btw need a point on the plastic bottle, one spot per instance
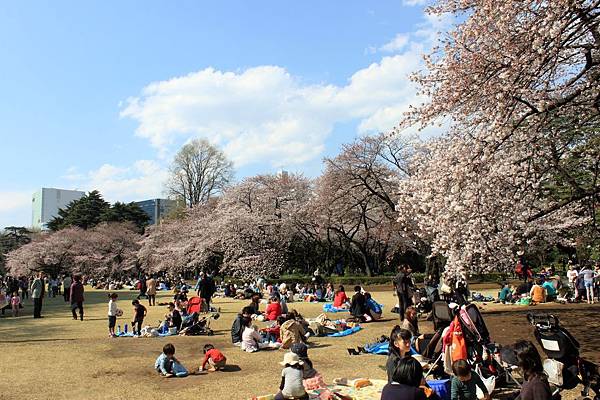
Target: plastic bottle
(125, 328)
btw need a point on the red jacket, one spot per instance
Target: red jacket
(76, 294)
(273, 311)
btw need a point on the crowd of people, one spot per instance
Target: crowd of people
(285, 328)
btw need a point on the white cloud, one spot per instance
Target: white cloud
(266, 114)
(415, 2)
(142, 180)
(10, 201)
(396, 44)
(15, 208)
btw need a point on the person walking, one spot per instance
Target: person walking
(151, 291)
(206, 288)
(143, 288)
(401, 285)
(37, 294)
(76, 297)
(67, 281)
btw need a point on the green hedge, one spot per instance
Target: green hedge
(385, 279)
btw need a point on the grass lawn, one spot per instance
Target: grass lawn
(57, 357)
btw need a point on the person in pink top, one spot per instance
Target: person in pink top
(15, 302)
(273, 309)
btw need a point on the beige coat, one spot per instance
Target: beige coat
(291, 332)
(151, 286)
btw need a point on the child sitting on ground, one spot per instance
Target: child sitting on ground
(167, 365)
(214, 358)
(465, 382)
(311, 379)
(272, 334)
(291, 379)
(251, 339)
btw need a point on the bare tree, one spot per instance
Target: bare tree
(199, 171)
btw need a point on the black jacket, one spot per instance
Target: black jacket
(358, 307)
(237, 328)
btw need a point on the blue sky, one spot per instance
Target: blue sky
(101, 94)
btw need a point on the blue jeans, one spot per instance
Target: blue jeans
(179, 370)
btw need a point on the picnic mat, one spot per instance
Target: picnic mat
(371, 392)
(329, 308)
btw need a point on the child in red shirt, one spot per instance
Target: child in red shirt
(273, 309)
(214, 358)
(273, 333)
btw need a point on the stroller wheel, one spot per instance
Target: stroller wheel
(210, 332)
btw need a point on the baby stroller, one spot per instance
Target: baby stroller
(481, 350)
(564, 366)
(193, 325)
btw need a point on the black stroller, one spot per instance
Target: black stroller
(564, 366)
(193, 325)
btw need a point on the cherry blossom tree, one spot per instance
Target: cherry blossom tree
(518, 81)
(108, 249)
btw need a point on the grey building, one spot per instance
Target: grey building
(156, 208)
(46, 202)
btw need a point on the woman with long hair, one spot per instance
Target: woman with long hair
(535, 384)
(399, 348)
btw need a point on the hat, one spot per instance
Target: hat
(300, 349)
(291, 359)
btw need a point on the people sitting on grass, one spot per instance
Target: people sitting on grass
(237, 328)
(255, 304)
(506, 294)
(537, 292)
(373, 308)
(358, 305)
(329, 292)
(311, 379)
(167, 365)
(465, 382)
(551, 289)
(404, 381)
(273, 309)
(291, 386)
(399, 348)
(273, 333)
(341, 300)
(251, 339)
(411, 321)
(173, 318)
(214, 358)
(535, 383)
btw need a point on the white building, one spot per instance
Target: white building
(46, 202)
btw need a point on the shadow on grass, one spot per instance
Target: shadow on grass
(37, 340)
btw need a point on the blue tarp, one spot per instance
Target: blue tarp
(328, 307)
(347, 332)
(383, 348)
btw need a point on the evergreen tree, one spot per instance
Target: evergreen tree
(83, 213)
(122, 212)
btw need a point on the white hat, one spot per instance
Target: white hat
(291, 359)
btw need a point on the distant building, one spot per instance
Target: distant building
(46, 202)
(156, 208)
